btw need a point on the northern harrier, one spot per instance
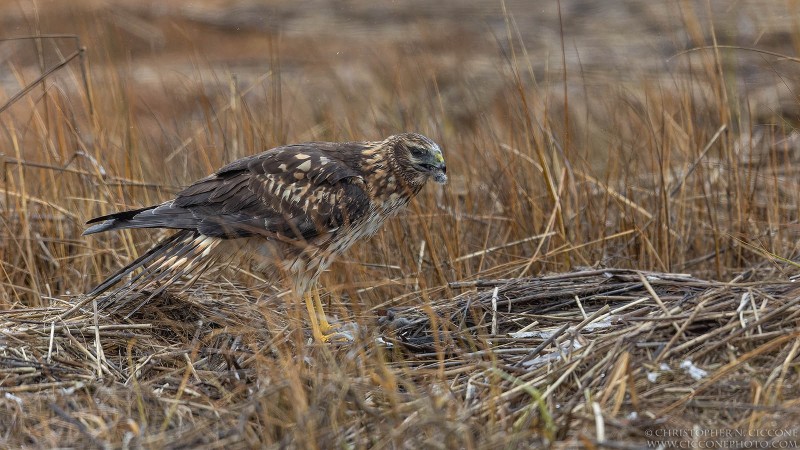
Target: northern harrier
(296, 207)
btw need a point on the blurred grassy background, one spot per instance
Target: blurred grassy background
(647, 135)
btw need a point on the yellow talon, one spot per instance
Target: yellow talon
(324, 326)
(320, 328)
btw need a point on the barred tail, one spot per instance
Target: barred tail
(185, 252)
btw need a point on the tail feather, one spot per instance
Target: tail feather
(179, 259)
(157, 216)
(158, 251)
(195, 267)
(113, 221)
(169, 260)
(123, 215)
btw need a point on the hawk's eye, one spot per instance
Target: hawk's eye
(417, 151)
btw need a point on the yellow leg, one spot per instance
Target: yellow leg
(323, 320)
(320, 328)
(312, 315)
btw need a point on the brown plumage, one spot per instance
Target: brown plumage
(295, 207)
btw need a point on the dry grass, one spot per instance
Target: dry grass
(488, 315)
(525, 368)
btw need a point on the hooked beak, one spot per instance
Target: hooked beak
(435, 168)
(440, 173)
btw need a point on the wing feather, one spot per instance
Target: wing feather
(298, 191)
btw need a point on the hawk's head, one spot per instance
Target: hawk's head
(419, 157)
